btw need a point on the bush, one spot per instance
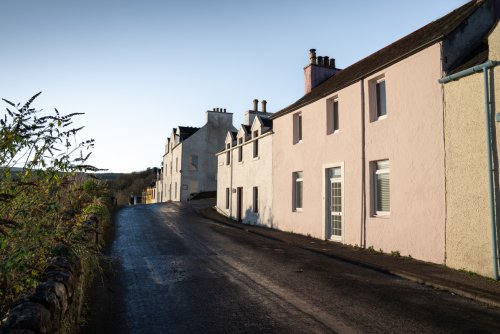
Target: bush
(44, 195)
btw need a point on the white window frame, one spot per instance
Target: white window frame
(376, 172)
(297, 128)
(332, 126)
(377, 98)
(240, 149)
(255, 144)
(298, 178)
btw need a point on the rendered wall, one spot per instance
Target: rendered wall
(250, 172)
(411, 137)
(311, 156)
(468, 230)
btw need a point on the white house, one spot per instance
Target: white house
(244, 174)
(189, 163)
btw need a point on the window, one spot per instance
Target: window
(175, 190)
(176, 164)
(255, 144)
(298, 188)
(332, 116)
(380, 98)
(297, 128)
(193, 162)
(382, 187)
(228, 193)
(228, 157)
(240, 149)
(255, 199)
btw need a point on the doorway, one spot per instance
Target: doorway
(334, 201)
(239, 203)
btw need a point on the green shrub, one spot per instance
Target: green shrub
(43, 192)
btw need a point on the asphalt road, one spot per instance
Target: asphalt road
(172, 271)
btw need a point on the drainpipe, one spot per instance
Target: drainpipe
(476, 69)
(363, 168)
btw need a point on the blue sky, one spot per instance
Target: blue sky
(139, 68)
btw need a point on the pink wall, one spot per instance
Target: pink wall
(317, 149)
(411, 137)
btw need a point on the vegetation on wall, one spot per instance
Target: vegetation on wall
(45, 197)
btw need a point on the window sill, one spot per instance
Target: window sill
(256, 158)
(297, 210)
(384, 215)
(380, 118)
(240, 162)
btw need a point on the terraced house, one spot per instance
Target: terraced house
(362, 157)
(244, 174)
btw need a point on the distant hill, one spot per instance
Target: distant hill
(122, 185)
(107, 176)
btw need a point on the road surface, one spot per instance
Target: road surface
(172, 271)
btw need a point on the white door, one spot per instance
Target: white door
(334, 204)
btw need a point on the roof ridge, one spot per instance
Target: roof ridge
(397, 50)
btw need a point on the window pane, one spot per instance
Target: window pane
(382, 164)
(381, 106)
(383, 195)
(298, 191)
(335, 115)
(299, 119)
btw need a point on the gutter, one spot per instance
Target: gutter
(476, 69)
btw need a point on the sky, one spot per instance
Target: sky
(138, 68)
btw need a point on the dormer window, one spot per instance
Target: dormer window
(240, 149)
(255, 144)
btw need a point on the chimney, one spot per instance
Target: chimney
(264, 102)
(317, 73)
(312, 56)
(255, 105)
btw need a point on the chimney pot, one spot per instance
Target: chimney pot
(264, 102)
(320, 61)
(255, 105)
(332, 63)
(312, 56)
(326, 61)
(224, 109)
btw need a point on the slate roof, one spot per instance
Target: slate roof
(268, 123)
(403, 48)
(247, 128)
(186, 131)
